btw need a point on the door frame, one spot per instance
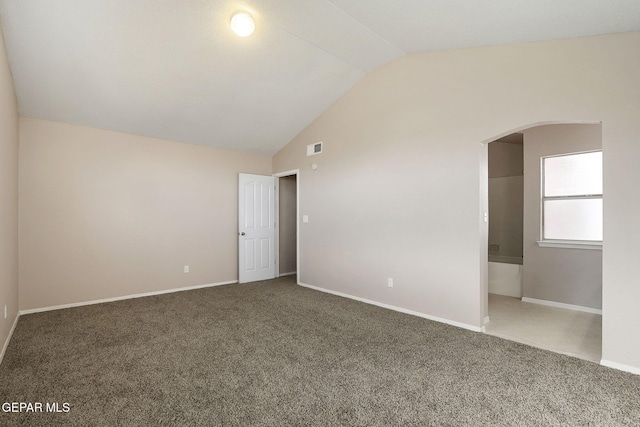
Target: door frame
(279, 175)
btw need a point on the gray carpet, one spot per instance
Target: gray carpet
(276, 354)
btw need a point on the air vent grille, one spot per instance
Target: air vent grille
(313, 149)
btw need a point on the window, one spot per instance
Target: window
(572, 200)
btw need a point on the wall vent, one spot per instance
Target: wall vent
(313, 149)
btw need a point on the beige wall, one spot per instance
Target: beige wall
(506, 199)
(570, 276)
(106, 214)
(397, 192)
(505, 158)
(287, 230)
(8, 198)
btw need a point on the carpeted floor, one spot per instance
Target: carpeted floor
(276, 354)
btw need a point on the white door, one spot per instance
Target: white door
(256, 228)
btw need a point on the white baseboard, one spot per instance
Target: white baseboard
(291, 273)
(6, 342)
(394, 308)
(620, 367)
(562, 305)
(146, 294)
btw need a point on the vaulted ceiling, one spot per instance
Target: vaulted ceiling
(173, 69)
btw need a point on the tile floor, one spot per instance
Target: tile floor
(570, 332)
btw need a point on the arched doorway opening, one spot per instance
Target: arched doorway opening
(552, 298)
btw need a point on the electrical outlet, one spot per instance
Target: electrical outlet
(390, 282)
(186, 268)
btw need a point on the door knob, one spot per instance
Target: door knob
(243, 233)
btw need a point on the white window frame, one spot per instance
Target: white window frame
(557, 243)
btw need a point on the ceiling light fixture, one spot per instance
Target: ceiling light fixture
(242, 24)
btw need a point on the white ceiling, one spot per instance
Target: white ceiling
(172, 69)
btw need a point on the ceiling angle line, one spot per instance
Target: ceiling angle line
(322, 49)
(366, 27)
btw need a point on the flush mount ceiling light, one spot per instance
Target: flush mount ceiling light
(242, 24)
